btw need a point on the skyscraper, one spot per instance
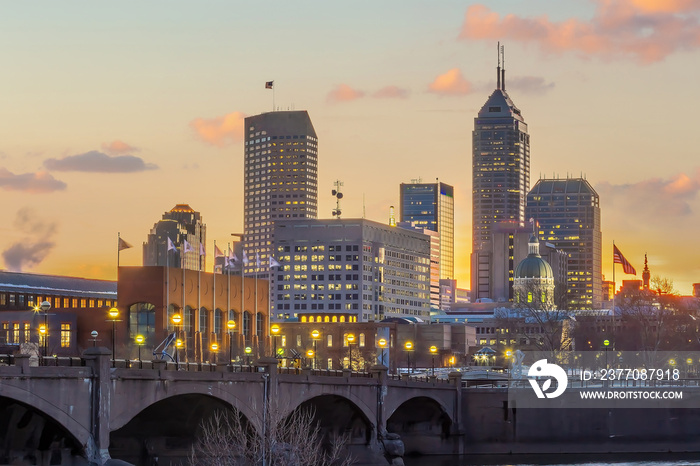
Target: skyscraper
(432, 206)
(568, 213)
(500, 175)
(180, 224)
(281, 169)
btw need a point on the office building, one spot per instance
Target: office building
(333, 267)
(431, 206)
(281, 170)
(500, 176)
(567, 212)
(180, 224)
(434, 261)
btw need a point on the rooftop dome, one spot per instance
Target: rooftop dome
(533, 266)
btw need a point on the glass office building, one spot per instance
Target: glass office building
(568, 214)
(180, 224)
(431, 206)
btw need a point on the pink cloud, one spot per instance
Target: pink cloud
(118, 147)
(450, 83)
(653, 197)
(220, 131)
(391, 92)
(644, 30)
(40, 182)
(344, 93)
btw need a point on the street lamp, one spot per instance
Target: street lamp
(382, 344)
(46, 306)
(231, 324)
(42, 333)
(178, 345)
(433, 352)
(248, 350)
(315, 335)
(113, 314)
(176, 319)
(94, 334)
(310, 354)
(274, 330)
(409, 347)
(215, 349)
(139, 341)
(351, 340)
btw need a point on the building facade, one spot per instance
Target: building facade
(435, 280)
(431, 206)
(281, 172)
(500, 177)
(567, 212)
(350, 265)
(180, 224)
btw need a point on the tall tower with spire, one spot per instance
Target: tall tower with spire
(500, 176)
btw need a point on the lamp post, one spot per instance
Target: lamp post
(274, 330)
(248, 350)
(42, 333)
(46, 306)
(176, 319)
(231, 324)
(215, 349)
(178, 345)
(113, 314)
(139, 341)
(382, 344)
(310, 354)
(94, 334)
(351, 340)
(409, 347)
(433, 352)
(315, 335)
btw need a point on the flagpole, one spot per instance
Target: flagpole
(228, 288)
(119, 235)
(213, 315)
(167, 279)
(613, 299)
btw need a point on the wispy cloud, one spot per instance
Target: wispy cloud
(37, 242)
(40, 182)
(450, 83)
(643, 30)
(391, 92)
(97, 162)
(530, 84)
(344, 93)
(220, 131)
(653, 198)
(117, 147)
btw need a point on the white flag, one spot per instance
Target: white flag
(245, 258)
(257, 260)
(171, 246)
(231, 255)
(273, 262)
(217, 251)
(227, 263)
(187, 247)
(202, 252)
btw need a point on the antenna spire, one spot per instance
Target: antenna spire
(503, 71)
(498, 69)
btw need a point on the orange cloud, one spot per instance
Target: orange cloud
(450, 83)
(391, 92)
(344, 93)
(220, 131)
(118, 147)
(644, 30)
(40, 182)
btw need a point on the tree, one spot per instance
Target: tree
(226, 439)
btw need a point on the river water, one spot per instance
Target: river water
(660, 459)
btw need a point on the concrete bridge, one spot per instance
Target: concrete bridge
(93, 412)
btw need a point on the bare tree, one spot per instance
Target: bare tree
(226, 439)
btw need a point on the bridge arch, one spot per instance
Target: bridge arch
(422, 422)
(16, 401)
(339, 415)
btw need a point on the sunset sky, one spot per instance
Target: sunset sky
(113, 112)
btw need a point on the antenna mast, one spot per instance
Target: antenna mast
(338, 196)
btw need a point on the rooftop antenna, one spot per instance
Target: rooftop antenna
(416, 180)
(503, 71)
(364, 210)
(498, 69)
(338, 196)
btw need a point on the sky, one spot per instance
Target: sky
(113, 112)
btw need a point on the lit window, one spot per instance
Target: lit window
(65, 335)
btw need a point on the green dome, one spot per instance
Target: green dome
(533, 266)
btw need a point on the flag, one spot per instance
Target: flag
(232, 256)
(218, 252)
(187, 247)
(268, 84)
(618, 258)
(227, 263)
(171, 246)
(257, 260)
(124, 245)
(245, 258)
(273, 262)
(202, 252)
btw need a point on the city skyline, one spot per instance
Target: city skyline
(113, 115)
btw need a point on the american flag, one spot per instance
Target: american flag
(268, 84)
(618, 258)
